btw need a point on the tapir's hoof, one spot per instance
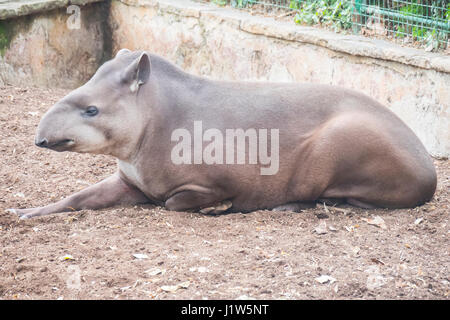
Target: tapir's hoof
(218, 209)
(13, 211)
(22, 213)
(295, 206)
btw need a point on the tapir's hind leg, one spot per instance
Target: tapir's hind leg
(295, 206)
(218, 208)
(361, 204)
(107, 193)
(195, 197)
(356, 159)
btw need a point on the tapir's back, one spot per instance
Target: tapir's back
(294, 107)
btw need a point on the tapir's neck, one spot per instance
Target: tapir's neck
(168, 90)
(171, 89)
(173, 81)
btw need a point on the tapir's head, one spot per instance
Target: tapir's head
(103, 115)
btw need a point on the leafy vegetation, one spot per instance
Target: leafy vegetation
(333, 13)
(435, 11)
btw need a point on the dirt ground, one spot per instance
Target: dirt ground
(146, 252)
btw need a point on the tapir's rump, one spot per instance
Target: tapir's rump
(330, 142)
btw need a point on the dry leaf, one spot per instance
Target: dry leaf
(377, 261)
(170, 288)
(19, 195)
(376, 221)
(324, 279)
(344, 211)
(182, 285)
(140, 256)
(321, 228)
(356, 250)
(155, 271)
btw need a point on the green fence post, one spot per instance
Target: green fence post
(356, 16)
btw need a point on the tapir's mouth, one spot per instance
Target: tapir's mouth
(61, 145)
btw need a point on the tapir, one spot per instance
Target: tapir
(334, 143)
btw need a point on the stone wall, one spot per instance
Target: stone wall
(226, 43)
(38, 47)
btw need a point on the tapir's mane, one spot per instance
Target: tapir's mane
(159, 66)
(165, 67)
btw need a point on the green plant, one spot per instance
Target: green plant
(413, 9)
(433, 39)
(400, 32)
(219, 2)
(333, 13)
(294, 4)
(239, 3)
(418, 32)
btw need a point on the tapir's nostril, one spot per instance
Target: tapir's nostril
(42, 143)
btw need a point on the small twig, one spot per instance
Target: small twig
(285, 14)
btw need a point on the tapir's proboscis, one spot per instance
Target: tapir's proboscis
(335, 144)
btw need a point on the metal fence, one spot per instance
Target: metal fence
(417, 22)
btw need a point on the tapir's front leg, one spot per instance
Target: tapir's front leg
(107, 193)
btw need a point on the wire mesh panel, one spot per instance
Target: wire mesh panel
(423, 22)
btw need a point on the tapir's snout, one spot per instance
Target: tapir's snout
(45, 139)
(52, 133)
(59, 145)
(42, 143)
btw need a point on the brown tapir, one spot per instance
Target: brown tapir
(329, 142)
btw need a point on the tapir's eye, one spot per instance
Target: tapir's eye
(90, 111)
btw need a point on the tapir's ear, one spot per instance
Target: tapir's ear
(137, 73)
(122, 52)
